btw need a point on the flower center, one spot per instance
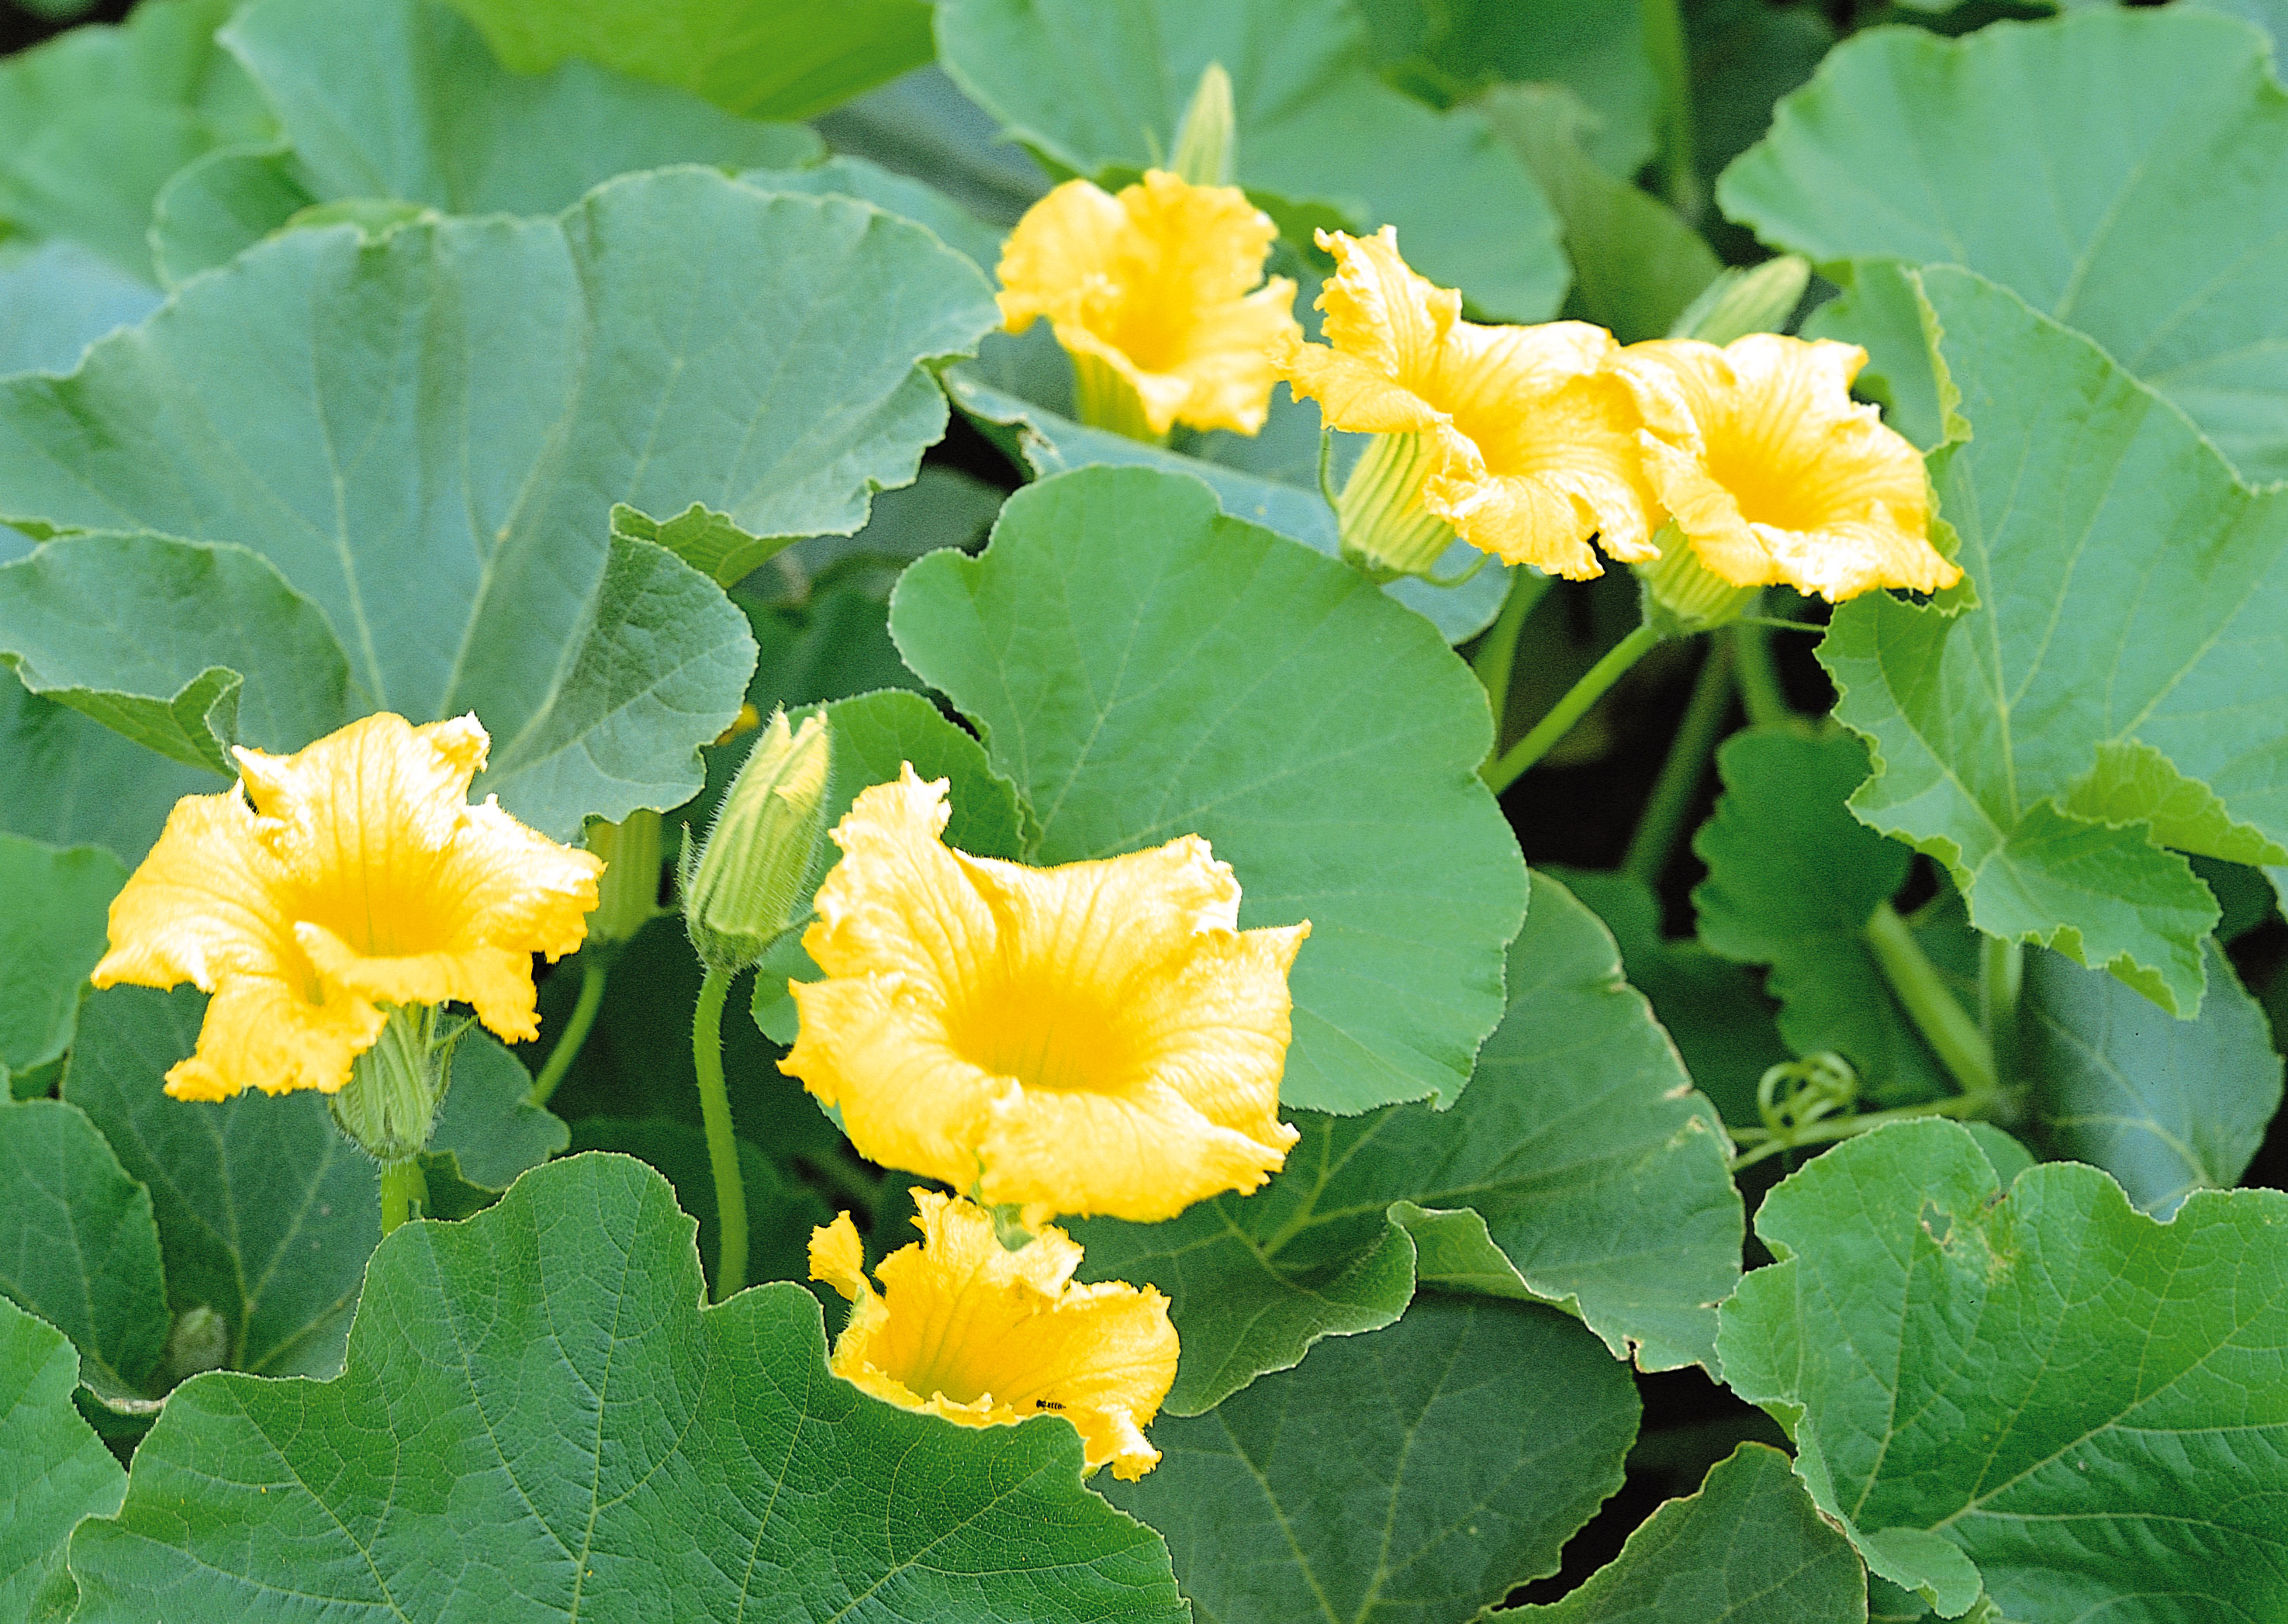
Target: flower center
(1048, 1034)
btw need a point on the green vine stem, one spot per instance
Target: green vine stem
(1828, 1129)
(1937, 1014)
(1687, 764)
(2001, 976)
(1495, 657)
(722, 1149)
(404, 1193)
(1666, 50)
(1761, 693)
(593, 971)
(1505, 770)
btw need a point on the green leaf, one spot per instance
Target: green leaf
(70, 780)
(2048, 772)
(540, 1384)
(53, 1469)
(56, 298)
(51, 932)
(1793, 880)
(1881, 309)
(77, 1244)
(1750, 1548)
(2144, 220)
(94, 122)
(901, 194)
(1413, 1475)
(1449, 51)
(1344, 790)
(2043, 1382)
(1320, 137)
(402, 99)
(1636, 264)
(2166, 1107)
(703, 538)
(186, 649)
(875, 735)
(1579, 1168)
(266, 1213)
(489, 1126)
(781, 1211)
(766, 59)
(675, 338)
(1716, 1013)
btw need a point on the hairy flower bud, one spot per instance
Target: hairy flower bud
(740, 891)
(628, 894)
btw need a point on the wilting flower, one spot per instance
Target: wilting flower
(1775, 474)
(987, 1337)
(1095, 1038)
(1516, 439)
(1148, 291)
(326, 884)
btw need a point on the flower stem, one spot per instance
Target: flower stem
(722, 1149)
(1497, 652)
(1666, 50)
(1761, 691)
(1672, 793)
(592, 974)
(2001, 976)
(404, 1193)
(1953, 1036)
(1505, 770)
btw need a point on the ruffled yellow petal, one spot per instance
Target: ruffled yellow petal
(1095, 1038)
(348, 876)
(983, 1336)
(1775, 473)
(1536, 443)
(1155, 282)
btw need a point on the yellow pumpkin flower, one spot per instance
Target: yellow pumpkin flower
(326, 884)
(1099, 1037)
(1516, 439)
(1148, 291)
(1775, 474)
(987, 1337)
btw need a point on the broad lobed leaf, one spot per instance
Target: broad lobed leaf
(53, 1469)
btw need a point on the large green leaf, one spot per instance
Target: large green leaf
(70, 780)
(92, 124)
(1415, 1475)
(2166, 1107)
(539, 1421)
(53, 1469)
(468, 400)
(77, 1246)
(767, 58)
(1579, 1168)
(781, 1210)
(1636, 264)
(266, 1213)
(1099, 91)
(1750, 1548)
(2123, 687)
(1721, 1022)
(1343, 789)
(1449, 51)
(56, 298)
(1793, 881)
(2119, 169)
(402, 99)
(51, 932)
(2040, 1387)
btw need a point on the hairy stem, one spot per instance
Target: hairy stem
(404, 1193)
(1937, 1014)
(722, 1149)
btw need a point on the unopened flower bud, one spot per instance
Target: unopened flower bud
(740, 890)
(627, 896)
(1738, 303)
(1204, 139)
